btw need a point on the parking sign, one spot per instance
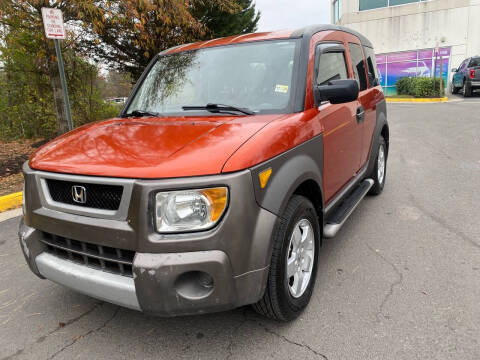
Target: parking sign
(53, 23)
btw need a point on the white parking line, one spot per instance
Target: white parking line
(10, 214)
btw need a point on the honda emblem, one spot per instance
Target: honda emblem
(79, 194)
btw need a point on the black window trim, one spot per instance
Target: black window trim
(323, 47)
(328, 47)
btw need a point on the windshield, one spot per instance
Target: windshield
(255, 76)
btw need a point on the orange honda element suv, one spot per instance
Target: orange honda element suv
(214, 187)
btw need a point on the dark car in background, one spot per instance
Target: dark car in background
(467, 76)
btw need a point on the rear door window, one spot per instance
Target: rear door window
(371, 64)
(332, 66)
(358, 63)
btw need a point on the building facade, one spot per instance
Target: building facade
(412, 37)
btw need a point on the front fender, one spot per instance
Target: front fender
(289, 170)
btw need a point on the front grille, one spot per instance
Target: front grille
(98, 196)
(105, 258)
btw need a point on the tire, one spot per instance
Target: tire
(467, 90)
(281, 301)
(379, 183)
(454, 89)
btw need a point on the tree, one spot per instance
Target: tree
(221, 23)
(129, 33)
(126, 34)
(25, 16)
(22, 87)
(27, 104)
(116, 84)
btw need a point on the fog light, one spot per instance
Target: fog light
(205, 280)
(194, 285)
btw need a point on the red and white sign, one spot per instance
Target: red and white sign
(53, 23)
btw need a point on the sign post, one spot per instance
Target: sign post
(435, 54)
(54, 29)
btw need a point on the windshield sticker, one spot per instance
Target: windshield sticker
(281, 88)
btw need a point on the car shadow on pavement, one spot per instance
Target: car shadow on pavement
(58, 322)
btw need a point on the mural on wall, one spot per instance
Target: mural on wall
(418, 63)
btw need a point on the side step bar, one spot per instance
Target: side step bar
(336, 220)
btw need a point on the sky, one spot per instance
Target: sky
(292, 14)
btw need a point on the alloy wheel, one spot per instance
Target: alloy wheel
(381, 164)
(300, 255)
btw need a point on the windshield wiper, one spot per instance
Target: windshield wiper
(219, 108)
(141, 113)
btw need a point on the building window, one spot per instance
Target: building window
(375, 4)
(372, 4)
(337, 11)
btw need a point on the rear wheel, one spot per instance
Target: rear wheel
(467, 90)
(454, 89)
(294, 260)
(380, 169)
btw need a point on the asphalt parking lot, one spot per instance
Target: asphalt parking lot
(400, 281)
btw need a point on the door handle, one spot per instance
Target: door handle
(360, 114)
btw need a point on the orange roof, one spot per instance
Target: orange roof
(236, 39)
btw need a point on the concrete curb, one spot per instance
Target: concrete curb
(10, 214)
(11, 201)
(415, 100)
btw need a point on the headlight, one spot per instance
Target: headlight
(189, 210)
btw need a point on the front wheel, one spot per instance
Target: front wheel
(454, 89)
(380, 169)
(293, 268)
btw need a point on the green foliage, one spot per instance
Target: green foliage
(419, 86)
(124, 34)
(85, 95)
(26, 98)
(116, 84)
(221, 23)
(129, 33)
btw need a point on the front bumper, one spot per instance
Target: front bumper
(168, 270)
(113, 288)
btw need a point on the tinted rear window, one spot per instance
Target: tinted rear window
(358, 65)
(475, 62)
(371, 62)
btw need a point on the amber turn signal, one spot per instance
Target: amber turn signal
(218, 201)
(264, 176)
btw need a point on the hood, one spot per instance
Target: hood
(149, 147)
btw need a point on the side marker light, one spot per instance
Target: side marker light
(264, 176)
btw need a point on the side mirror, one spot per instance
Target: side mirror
(454, 70)
(337, 92)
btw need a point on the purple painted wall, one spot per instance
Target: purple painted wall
(418, 63)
